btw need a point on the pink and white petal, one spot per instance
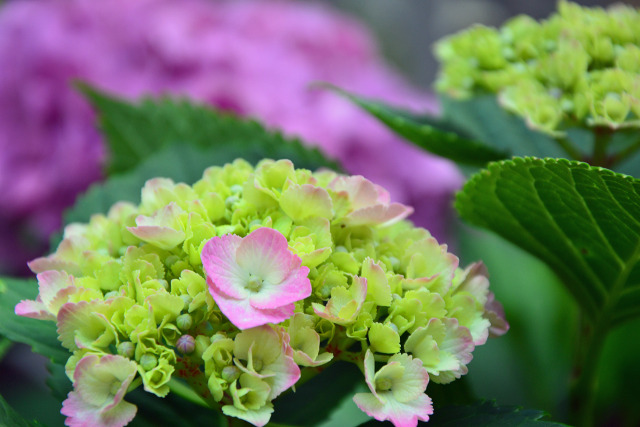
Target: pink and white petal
(383, 195)
(361, 191)
(457, 341)
(243, 315)
(371, 405)
(92, 402)
(407, 414)
(119, 415)
(265, 253)
(287, 373)
(379, 214)
(219, 261)
(370, 371)
(50, 283)
(494, 312)
(257, 417)
(165, 238)
(34, 309)
(414, 380)
(294, 288)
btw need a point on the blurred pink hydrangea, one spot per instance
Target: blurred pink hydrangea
(256, 58)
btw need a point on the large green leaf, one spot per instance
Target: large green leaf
(10, 418)
(436, 136)
(482, 117)
(41, 335)
(582, 221)
(136, 131)
(488, 414)
(327, 390)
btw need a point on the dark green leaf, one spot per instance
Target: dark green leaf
(438, 137)
(488, 414)
(482, 117)
(10, 418)
(326, 391)
(41, 335)
(580, 220)
(135, 131)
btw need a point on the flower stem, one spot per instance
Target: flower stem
(186, 392)
(569, 148)
(625, 153)
(5, 346)
(584, 388)
(602, 137)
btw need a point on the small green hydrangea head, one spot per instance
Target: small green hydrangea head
(579, 67)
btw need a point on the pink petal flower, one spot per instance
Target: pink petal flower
(256, 279)
(344, 305)
(370, 203)
(99, 388)
(54, 288)
(397, 391)
(272, 348)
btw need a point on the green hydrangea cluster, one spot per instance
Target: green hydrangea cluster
(580, 67)
(133, 302)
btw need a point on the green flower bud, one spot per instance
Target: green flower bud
(148, 361)
(184, 322)
(126, 348)
(230, 373)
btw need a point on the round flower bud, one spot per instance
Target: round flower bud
(126, 349)
(148, 361)
(186, 344)
(184, 322)
(230, 374)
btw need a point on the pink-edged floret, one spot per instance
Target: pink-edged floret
(255, 280)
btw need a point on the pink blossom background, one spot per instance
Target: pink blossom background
(255, 58)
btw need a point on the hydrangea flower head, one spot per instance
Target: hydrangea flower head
(251, 57)
(230, 286)
(578, 67)
(397, 391)
(256, 279)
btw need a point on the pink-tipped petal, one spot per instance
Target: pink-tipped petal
(99, 388)
(294, 288)
(265, 253)
(219, 262)
(494, 312)
(34, 309)
(243, 315)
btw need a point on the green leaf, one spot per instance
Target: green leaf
(580, 220)
(482, 117)
(9, 417)
(41, 335)
(435, 136)
(488, 414)
(136, 131)
(327, 391)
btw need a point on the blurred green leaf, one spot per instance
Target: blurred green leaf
(41, 335)
(580, 220)
(136, 131)
(436, 136)
(488, 414)
(482, 117)
(326, 391)
(10, 418)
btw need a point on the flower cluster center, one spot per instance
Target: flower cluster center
(254, 284)
(383, 384)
